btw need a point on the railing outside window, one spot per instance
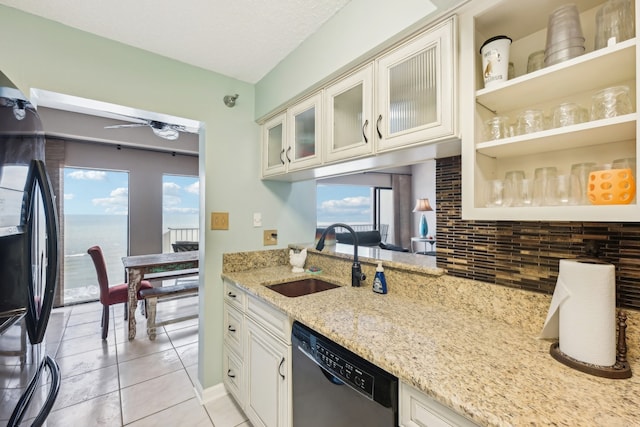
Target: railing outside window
(187, 237)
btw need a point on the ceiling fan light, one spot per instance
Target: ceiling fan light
(166, 132)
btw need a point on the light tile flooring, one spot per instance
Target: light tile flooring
(117, 382)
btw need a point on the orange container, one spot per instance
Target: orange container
(611, 187)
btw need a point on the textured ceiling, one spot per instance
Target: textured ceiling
(243, 39)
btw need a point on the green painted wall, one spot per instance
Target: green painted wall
(37, 53)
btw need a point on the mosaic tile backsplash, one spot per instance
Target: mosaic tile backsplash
(527, 254)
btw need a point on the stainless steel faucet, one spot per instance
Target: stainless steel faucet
(356, 271)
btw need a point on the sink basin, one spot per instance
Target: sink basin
(302, 287)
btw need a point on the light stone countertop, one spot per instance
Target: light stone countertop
(470, 358)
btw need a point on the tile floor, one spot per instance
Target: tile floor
(117, 382)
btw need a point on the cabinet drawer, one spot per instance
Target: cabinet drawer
(419, 410)
(234, 295)
(269, 317)
(233, 375)
(233, 328)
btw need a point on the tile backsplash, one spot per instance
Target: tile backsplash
(526, 254)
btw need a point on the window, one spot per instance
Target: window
(96, 209)
(361, 206)
(180, 211)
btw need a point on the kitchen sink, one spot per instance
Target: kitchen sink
(302, 287)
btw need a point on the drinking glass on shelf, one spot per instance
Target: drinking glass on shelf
(495, 193)
(512, 188)
(496, 128)
(535, 61)
(526, 192)
(611, 102)
(530, 121)
(579, 182)
(542, 184)
(627, 163)
(614, 23)
(567, 114)
(559, 190)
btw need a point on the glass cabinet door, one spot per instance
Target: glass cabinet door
(273, 146)
(304, 133)
(416, 90)
(349, 114)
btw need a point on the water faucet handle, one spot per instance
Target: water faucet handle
(357, 275)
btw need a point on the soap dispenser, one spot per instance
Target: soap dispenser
(379, 281)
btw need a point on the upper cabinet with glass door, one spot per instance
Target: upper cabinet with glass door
(290, 140)
(416, 90)
(349, 113)
(304, 132)
(274, 146)
(556, 153)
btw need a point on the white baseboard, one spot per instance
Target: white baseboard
(211, 393)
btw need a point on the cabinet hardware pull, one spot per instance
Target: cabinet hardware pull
(231, 328)
(378, 126)
(288, 158)
(230, 375)
(281, 159)
(280, 368)
(231, 295)
(364, 129)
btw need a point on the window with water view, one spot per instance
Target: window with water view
(96, 207)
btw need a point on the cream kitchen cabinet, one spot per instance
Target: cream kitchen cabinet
(257, 357)
(349, 116)
(576, 80)
(268, 368)
(416, 90)
(406, 97)
(274, 145)
(291, 140)
(419, 410)
(234, 342)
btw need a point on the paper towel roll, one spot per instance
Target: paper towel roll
(582, 312)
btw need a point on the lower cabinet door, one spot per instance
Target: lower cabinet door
(419, 410)
(268, 364)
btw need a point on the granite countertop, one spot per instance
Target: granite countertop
(493, 373)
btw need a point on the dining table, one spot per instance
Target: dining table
(139, 267)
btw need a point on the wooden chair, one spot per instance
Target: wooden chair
(110, 295)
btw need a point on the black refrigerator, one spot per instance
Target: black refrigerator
(29, 375)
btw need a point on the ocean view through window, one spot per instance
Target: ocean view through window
(180, 210)
(96, 207)
(363, 207)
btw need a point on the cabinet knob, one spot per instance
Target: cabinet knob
(231, 294)
(230, 328)
(378, 126)
(230, 374)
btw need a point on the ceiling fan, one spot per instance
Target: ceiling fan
(161, 129)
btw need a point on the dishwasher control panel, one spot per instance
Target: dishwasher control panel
(344, 369)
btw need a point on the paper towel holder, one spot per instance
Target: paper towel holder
(620, 370)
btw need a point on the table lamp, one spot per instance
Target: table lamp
(422, 205)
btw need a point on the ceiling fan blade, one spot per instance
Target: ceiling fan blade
(128, 125)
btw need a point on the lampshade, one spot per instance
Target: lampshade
(422, 205)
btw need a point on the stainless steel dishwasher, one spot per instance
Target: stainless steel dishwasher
(333, 387)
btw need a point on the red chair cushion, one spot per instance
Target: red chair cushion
(120, 293)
